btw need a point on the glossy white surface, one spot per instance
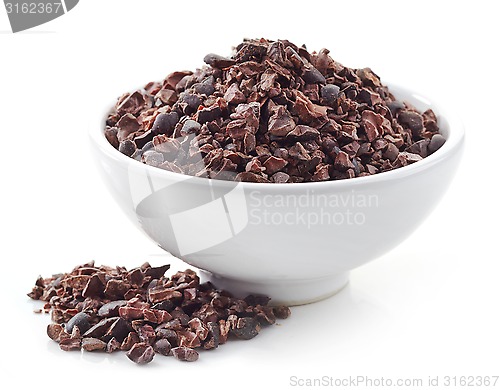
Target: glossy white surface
(293, 242)
(427, 308)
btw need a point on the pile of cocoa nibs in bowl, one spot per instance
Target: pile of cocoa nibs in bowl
(272, 112)
(143, 312)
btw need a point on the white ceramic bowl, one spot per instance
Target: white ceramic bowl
(293, 242)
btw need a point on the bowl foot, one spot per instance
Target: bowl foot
(283, 292)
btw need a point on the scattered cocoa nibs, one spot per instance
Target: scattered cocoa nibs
(273, 105)
(144, 312)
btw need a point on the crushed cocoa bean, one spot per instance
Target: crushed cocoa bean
(144, 312)
(259, 114)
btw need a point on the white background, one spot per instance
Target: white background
(430, 307)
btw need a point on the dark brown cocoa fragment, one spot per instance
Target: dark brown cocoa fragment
(129, 341)
(200, 329)
(321, 173)
(391, 152)
(251, 51)
(165, 123)
(169, 334)
(153, 158)
(306, 110)
(115, 289)
(237, 129)
(224, 329)
(420, 147)
(218, 61)
(437, 141)
(135, 277)
(174, 78)
(264, 314)
(159, 294)
(312, 75)
(166, 96)
(413, 120)
(127, 147)
(368, 78)
(174, 324)
(76, 282)
(81, 320)
(302, 133)
(251, 177)
(343, 162)
(188, 339)
(207, 313)
(141, 353)
(249, 144)
(213, 338)
(119, 329)
(372, 124)
(379, 144)
(113, 345)
(251, 69)
(246, 328)
(56, 332)
(156, 272)
(430, 121)
(395, 106)
(94, 287)
(267, 80)
(281, 312)
(372, 169)
(69, 344)
(280, 177)
(405, 158)
(92, 344)
(146, 334)
(111, 134)
(190, 102)
(298, 152)
(274, 164)
(208, 114)
(233, 95)
(100, 329)
(329, 94)
(36, 292)
(127, 125)
(131, 104)
(169, 147)
(369, 97)
(162, 346)
(206, 87)
(281, 122)
(256, 299)
(185, 354)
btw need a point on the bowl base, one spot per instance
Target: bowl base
(282, 292)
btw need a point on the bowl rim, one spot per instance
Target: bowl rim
(451, 127)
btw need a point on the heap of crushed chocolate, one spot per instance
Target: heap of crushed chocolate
(272, 113)
(144, 312)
